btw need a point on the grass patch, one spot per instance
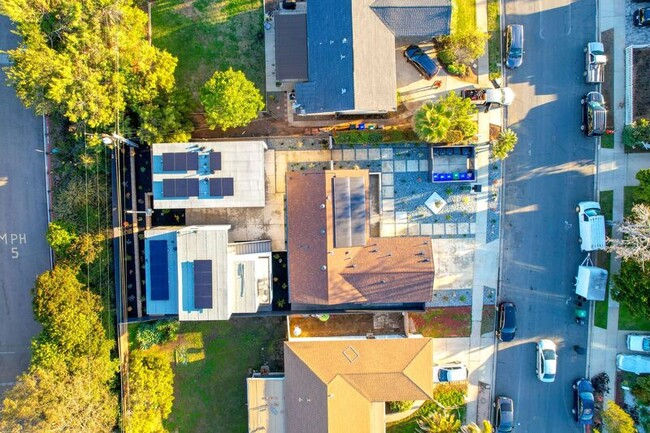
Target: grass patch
(211, 35)
(463, 15)
(607, 141)
(607, 203)
(488, 319)
(211, 361)
(451, 395)
(442, 322)
(603, 259)
(494, 44)
(628, 200)
(628, 322)
(601, 308)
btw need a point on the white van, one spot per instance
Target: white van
(592, 226)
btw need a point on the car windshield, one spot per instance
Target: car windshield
(593, 212)
(549, 376)
(515, 52)
(548, 354)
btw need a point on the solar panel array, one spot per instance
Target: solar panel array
(222, 187)
(215, 161)
(349, 212)
(202, 283)
(159, 281)
(180, 187)
(180, 161)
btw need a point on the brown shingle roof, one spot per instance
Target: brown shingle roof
(385, 270)
(331, 386)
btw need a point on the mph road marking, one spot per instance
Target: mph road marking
(12, 239)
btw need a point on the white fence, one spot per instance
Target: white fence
(629, 81)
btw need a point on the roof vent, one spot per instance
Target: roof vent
(342, 56)
(323, 268)
(322, 231)
(344, 41)
(383, 281)
(374, 250)
(322, 205)
(343, 91)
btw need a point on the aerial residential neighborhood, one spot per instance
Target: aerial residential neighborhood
(305, 216)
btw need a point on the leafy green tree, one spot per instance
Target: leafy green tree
(166, 118)
(632, 288)
(85, 59)
(151, 393)
(504, 144)
(641, 390)
(399, 406)
(82, 204)
(72, 331)
(230, 100)
(616, 420)
(48, 400)
(464, 47)
(439, 422)
(60, 236)
(86, 248)
(447, 120)
(642, 192)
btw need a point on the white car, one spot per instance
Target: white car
(591, 223)
(636, 364)
(638, 343)
(546, 361)
(449, 373)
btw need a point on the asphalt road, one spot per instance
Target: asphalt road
(23, 221)
(550, 171)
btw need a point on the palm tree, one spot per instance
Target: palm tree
(439, 422)
(431, 122)
(473, 428)
(504, 144)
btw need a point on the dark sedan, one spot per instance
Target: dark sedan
(507, 321)
(425, 65)
(583, 402)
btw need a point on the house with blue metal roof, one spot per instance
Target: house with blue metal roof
(350, 50)
(195, 273)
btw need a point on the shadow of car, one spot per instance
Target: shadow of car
(424, 64)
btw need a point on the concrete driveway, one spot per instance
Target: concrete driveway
(23, 221)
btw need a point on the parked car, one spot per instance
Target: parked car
(595, 61)
(425, 65)
(546, 360)
(641, 17)
(637, 364)
(583, 402)
(504, 414)
(514, 45)
(507, 325)
(594, 114)
(591, 223)
(449, 373)
(638, 343)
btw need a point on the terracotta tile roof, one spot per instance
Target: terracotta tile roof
(333, 386)
(385, 270)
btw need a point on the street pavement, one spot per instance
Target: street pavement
(550, 171)
(23, 221)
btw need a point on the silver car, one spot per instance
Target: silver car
(637, 364)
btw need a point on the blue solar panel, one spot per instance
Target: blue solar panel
(158, 270)
(203, 283)
(215, 161)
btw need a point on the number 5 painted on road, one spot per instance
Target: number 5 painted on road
(14, 252)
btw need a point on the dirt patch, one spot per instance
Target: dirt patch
(488, 319)
(341, 325)
(442, 322)
(641, 62)
(607, 88)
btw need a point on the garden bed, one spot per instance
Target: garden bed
(442, 322)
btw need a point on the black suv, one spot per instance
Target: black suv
(583, 402)
(425, 65)
(507, 321)
(594, 114)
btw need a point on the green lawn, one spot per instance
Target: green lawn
(627, 322)
(210, 389)
(607, 141)
(628, 199)
(210, 35)
(494, 45)
(603, 259)
(463, 15)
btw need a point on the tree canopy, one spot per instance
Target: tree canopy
(87, 59)
(634, 243)
(448, 120)
(230, 100)
(616, 420)
(632, 288)
(504, 144)
(151, 393)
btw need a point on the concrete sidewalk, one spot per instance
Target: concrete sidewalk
(616, 169)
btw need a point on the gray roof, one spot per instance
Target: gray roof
(423, 18)
(351, 59)
(291, 46)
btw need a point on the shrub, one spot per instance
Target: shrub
(450, 395)
(637, 134)
(446, 57)
(149, 333)
(399, 406)
(504, 144)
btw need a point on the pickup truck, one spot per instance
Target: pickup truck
(502, 96)
(595, 61)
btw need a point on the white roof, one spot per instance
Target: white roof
(243, 161)
(591, 282)
(266, 411)
(636, 364)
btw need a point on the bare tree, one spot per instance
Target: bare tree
(634, 243)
